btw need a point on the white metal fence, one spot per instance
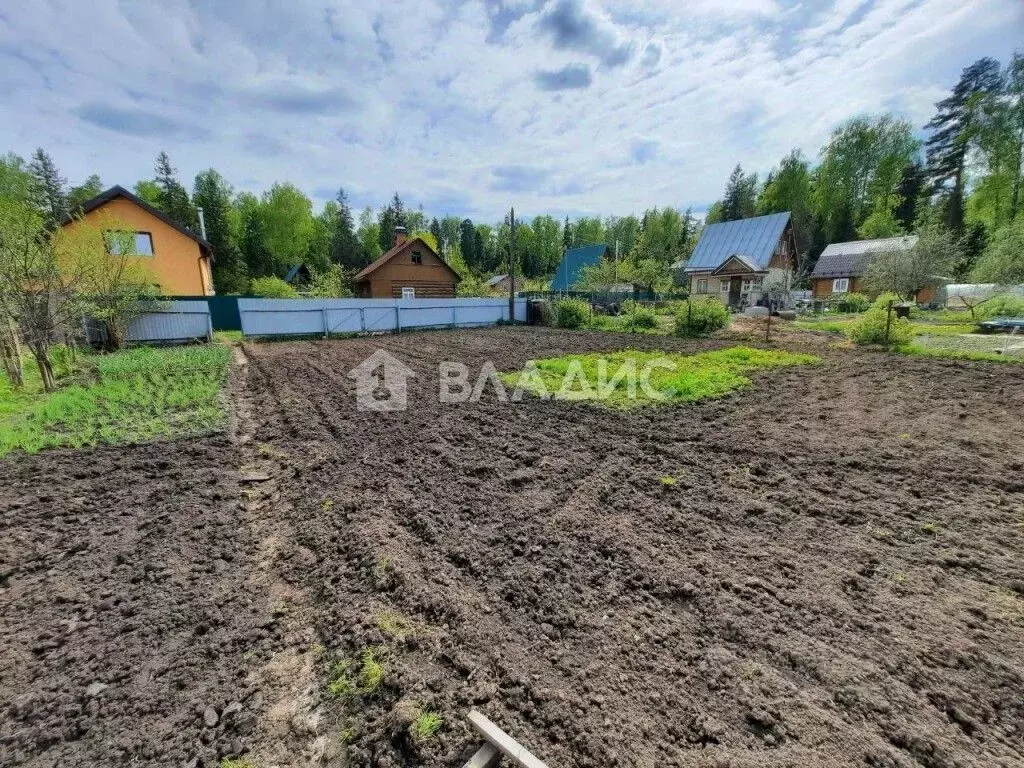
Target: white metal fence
(166, 322)
(300, 317)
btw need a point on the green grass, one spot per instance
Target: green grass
(945, 353)
(126, 397)
(427, 724)
(227, 337)
(595, 377)
(349, 677)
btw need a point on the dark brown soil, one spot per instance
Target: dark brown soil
(834, 578)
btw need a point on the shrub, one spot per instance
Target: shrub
(869, 328)
(640, 319)
(571, 313)
(851, 302)
(700, 317)
(272, 288)
(1002, 306)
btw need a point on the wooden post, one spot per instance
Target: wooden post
(512, 749)
(487, 756)
(888, 322)
(327, 331)
(512, 267)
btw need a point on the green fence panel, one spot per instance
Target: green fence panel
(223, 310)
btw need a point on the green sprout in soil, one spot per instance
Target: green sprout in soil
(373, 670)
(239, 763)
(349, 677)
(395, 625)
(427, 724)
(929, 528)
(668, 480)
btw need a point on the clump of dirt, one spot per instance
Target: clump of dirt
(824, 568)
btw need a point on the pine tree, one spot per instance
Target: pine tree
(567, 235)
(953, 126)
(79, 195)
(345, 250)
(391, 217)
(174, 200)
(213, 194)
(48, 190)
(435, 230)
(468, 245)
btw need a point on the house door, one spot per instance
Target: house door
(735, 287)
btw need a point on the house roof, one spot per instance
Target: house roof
(294, 271)
(495, 280)
(851, 259)
(754, 240)
(118, 191)
(744, 262)
(573, 262)
(369, 269)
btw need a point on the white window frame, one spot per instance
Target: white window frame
(841, 285)
(724, 287)
(408, 293)
(702, 285)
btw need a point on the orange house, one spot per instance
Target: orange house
(410, 270)
(179, 259)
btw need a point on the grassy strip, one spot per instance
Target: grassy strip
(944, 353)
(600, 377)
(842, 324)
(126, 397)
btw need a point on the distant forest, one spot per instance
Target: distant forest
(873, 178)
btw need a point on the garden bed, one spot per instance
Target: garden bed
(823, 567)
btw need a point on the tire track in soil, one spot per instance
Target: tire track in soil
(290, 728)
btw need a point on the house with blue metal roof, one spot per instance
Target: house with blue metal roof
(572, 264)
(736, 260)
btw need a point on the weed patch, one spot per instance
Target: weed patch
(362, 675)
(426, 725)
(127, 397)
(606, 379)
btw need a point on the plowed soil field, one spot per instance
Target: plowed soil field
(823, 569)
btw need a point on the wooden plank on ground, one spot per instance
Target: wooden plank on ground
(509, 747)
(487, 756)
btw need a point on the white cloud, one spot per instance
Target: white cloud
(556, 105)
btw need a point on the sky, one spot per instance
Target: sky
(568, 107)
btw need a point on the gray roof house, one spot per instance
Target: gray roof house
(851, 259)
(733, 258)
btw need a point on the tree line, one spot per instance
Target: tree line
(872, 179)
(875, 179)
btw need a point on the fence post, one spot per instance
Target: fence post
(888, 322)
(362, 319)
(323, 315)
(209, 326)
(455, 323)
(398, 319)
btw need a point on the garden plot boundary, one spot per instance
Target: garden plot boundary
(326, 317)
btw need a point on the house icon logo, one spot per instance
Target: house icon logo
(381, 383)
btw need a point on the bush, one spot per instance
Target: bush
(869, 328)
(571, 313)
(1006, 305)
(699, 317)
(640, 319)
(850, 302)
(272, 288)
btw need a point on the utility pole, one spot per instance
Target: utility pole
(616, 261)
(202, 223)
(512, 267)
